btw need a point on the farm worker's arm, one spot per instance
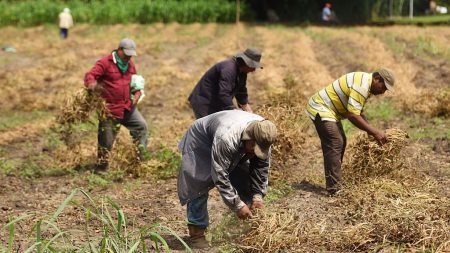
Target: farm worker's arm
(226, 84)
(259, 179)
(362, 124)
(242, 95)
(137, 95)
(221, 155)
(91, 77)
(356, 101)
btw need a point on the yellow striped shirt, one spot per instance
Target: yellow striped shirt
(346, 94)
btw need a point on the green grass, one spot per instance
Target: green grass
(433, 128)
(97, 181)
(169, 162)
(422, 20)
(278, 191)
(12, 119)
(382, 109)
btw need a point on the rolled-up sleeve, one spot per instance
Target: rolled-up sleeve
(95, 73)
(221, 160)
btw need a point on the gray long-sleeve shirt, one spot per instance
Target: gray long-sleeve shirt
(211, 148)
(217, 88)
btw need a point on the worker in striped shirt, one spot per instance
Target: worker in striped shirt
(344, 99)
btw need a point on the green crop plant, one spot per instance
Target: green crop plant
(105, 215)
(34, 12)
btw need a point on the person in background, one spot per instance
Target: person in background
(345, 99)
(326, 13)
(65, 22)
(112, 76)
(229, 150)
(223, 82)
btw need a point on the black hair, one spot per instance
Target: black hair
(377, 75)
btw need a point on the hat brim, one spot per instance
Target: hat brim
(246, 136)
(389, 87)
(249, 62)
(129, 52)
(261, 153)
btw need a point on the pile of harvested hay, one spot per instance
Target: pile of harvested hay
(365, 158)
(435, 103)
(79, 107)
(397, 207)
(291, 129)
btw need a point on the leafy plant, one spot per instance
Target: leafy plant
(107, 216)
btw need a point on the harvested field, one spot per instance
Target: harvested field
(397, 201)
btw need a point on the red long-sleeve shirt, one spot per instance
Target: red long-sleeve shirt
(116, 86)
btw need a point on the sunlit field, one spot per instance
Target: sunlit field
(405, 207)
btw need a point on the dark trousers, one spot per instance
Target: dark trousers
(63, 32)
(108, 129)
(333, 142)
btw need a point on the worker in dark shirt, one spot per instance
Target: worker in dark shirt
(224, 81)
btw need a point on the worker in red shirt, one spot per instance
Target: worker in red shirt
(111, 77)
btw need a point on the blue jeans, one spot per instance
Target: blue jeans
(63, 32)
(197, 209)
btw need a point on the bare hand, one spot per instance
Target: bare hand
(257, 204)
(135, 100)
(244, 213)
(92, 86)
(380, 137)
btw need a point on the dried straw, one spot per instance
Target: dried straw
(435, 103)
(365, 158)
(79, 107)
(291, 129)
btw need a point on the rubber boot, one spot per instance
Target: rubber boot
(197, 239)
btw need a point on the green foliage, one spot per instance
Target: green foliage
(381, 110)
(434, 128)
(168, 161)
(352, 12)
(7, 167)
(97, 181)
(107, 216)
(36, 12)
(423, 20)
(279, 190)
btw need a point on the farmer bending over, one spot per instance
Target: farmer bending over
(111, 77)
(224, 81)
(229, 150)
(345, 99)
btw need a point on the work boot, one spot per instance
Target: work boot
(197, 239)
(101, 168)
